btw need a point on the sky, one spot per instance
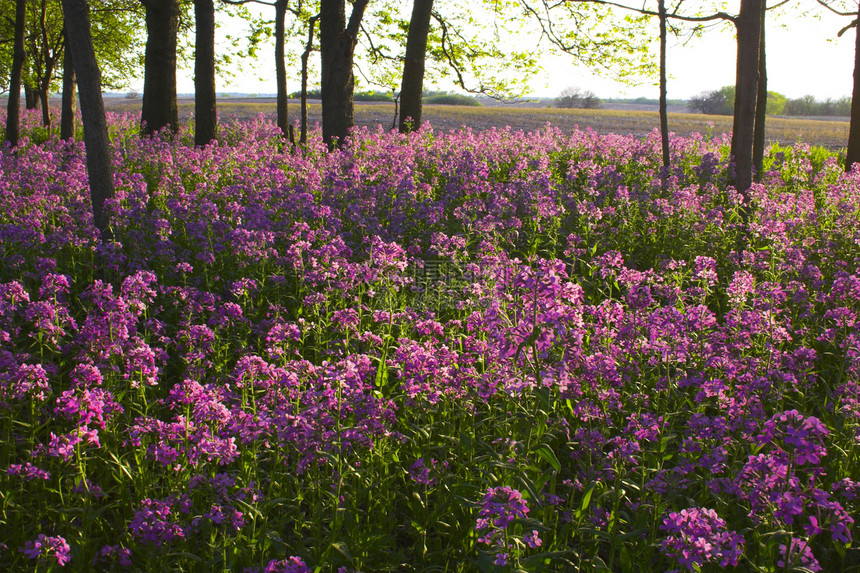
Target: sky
(804, 57)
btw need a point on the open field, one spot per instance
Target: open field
(827, 133)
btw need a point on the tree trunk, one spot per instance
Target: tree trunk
(337, 49)
(13, 110)
(67, 113)
(746, 91)
(303, 137)
(853, 155)
(761, 105)
(281, 67)
(412, 86)
(44, 86)
(664, 115)
(31, 94)
(205, 112)
(159, 76)
(99, 169)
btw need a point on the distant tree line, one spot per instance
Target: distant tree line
(448, 98)
(808, 105)
(368, 95)
(641, 100)
(722, 102)
(428, 97)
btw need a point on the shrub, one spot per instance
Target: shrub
(715, 102)
(574, 98)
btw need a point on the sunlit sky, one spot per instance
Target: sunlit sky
(804, 56)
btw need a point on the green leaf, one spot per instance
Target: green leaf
(341, 548)
(545, 452)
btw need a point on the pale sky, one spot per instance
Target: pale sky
(804, 56)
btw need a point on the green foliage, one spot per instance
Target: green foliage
(117, 29)
(605, 39)
(775, 103)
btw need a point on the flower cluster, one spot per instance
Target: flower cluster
(500, 507)
(697, 535)
(49, 549)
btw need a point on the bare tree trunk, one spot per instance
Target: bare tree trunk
(67, 113)
(338, 39)
(31, 94)
(853, 155)
(205, 112)
(45, 80)
(664, 115)
(281, 68)
(412, 86)
(761, 104)
(99, 170)
(13, 112)
(746, 92)
(44, 86)
(159, 77)
(303, 137)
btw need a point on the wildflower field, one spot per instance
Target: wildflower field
(494, 351)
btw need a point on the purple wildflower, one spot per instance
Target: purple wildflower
(48, 548)
(153, 523)
(420, 473)
(114, 553)
(798, 554)
(499, 508)
(532, 539)
(697, 536)
(289, 565)
(28, 471)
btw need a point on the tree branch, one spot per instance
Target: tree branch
(834, 10)
(242, 2)
(376, 53)
(450, 57)
(674, 15)
(355, 18)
